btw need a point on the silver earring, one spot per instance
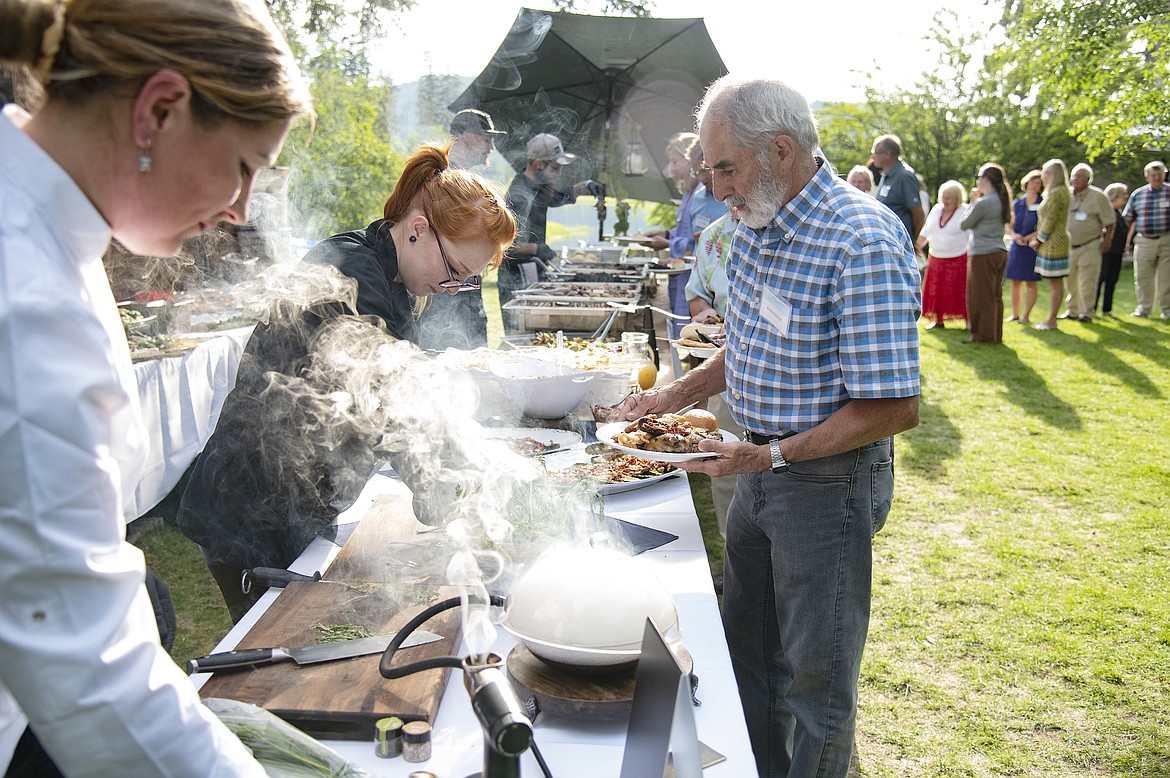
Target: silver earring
(145, 163)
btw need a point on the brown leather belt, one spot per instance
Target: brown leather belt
(1148, 236)
(1086, 243)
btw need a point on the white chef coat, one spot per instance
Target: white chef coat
(79, 646)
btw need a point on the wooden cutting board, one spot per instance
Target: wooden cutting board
(343, 699)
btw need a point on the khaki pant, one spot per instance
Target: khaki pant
(723, 488)
(1084, 266)
(1151, 274)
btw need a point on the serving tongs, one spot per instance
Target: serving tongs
(632, 307)
(606, 326)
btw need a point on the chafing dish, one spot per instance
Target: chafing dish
(579, 272)
(571, 316)
(584, 291)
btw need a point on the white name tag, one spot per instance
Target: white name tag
(776, 311)
(884, 191)
(1081, 216)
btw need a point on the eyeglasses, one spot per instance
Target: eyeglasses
(470, 284)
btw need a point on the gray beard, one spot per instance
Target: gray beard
(762, 204)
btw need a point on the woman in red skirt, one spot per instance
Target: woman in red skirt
(944, 293)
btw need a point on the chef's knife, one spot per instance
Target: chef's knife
(305, 655)
(275, 577)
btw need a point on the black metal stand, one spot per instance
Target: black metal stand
(507, 731)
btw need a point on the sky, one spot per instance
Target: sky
(822, 47)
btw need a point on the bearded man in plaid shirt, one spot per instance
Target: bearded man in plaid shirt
(821, 368)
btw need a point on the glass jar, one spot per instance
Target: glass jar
(636, 348)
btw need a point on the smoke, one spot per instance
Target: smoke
(518, 49)
(338, 396)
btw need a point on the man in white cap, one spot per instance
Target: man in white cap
(532, 193)
(459, 320)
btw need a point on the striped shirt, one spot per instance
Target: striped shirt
(839, 267)
(1150, 208)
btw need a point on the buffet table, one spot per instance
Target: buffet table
(572, 748)
(181, 397)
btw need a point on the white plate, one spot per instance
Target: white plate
(606, 432)
(564, 439)
(557, 463)
(629, 486)
(693, 351)
(663, 270)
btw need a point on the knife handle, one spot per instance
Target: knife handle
(274, 577)
(236, 660)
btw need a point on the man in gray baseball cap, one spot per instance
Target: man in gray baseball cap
(548, 148)
(532, 192)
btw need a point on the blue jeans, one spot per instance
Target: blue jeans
(797, 581)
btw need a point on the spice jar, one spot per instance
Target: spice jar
(416, 741)
(388, 737)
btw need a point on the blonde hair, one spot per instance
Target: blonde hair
(863, 171)
(683, 143)
(953, 186)
(462, 205)
(1057, 173)
(237, 62)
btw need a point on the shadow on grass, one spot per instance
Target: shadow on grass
(1098, 345)
(933, 442)
(1022, 385)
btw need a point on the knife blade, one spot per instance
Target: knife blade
(304, 655)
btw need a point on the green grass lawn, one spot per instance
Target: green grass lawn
(1021, 617)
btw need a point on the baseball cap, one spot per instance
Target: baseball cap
(548, 148)
(471, 120)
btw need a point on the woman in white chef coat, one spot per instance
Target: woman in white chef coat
(157, 113)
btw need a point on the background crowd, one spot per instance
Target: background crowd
(1061, 229)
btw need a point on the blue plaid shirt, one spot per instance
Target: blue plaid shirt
(845, 264)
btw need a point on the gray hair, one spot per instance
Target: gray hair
(1155, 165)
(1114, 191)
(1084, 167)
(757, 110)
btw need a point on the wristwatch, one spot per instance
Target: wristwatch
(779, 465)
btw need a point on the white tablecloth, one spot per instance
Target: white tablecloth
(181, 398)
(576, 749)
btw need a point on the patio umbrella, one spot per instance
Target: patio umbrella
(613, 89)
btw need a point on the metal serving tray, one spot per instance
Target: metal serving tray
(582, 291)
(575, 316)
(577, 272)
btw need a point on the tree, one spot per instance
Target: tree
(344, 172)
(935, 118)
(435, 93)
(1105, 62)
(964, 113)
